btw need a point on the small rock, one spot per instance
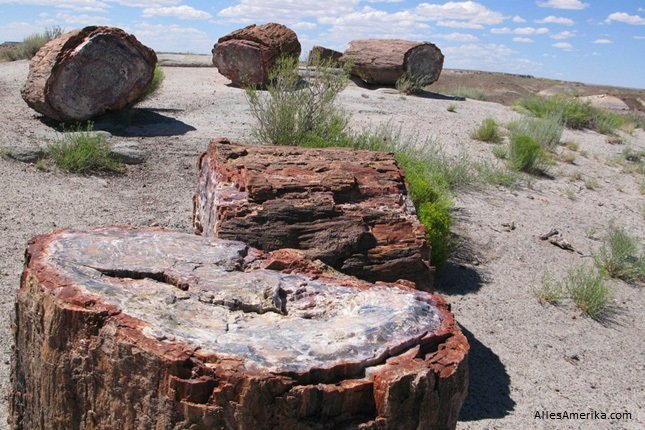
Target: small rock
(170, 300)
(26, 155)
(128, 153)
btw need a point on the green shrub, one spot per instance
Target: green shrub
(30, 45)
(526, 155)
(620, 257)
(154, 85)
(83, 152)
(293, 111)
(546, 131)
(589, 291)
(550, 292)
(574, 113)
(488, 131)
(452, 108)
(469, 93)
(410, 84)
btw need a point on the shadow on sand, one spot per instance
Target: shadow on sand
(136, 122)
(489, 386)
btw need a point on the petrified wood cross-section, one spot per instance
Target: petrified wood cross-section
(348, 208)
(118, 328)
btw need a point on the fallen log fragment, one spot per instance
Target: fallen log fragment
(85, 73)
(246, 56)
(348, 208)
(118, 328)
(384, 61)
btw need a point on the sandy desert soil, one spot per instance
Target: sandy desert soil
(525, 357)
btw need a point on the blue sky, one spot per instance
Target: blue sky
(593, 41)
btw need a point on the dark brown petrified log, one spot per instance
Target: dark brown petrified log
(85, 73)
(325, 55)
(118, 328)
(247, 55)
(348, 208)
(384, 61)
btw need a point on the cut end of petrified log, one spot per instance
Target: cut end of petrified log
(247, 55)
(384, 61)
(348, 208)
(124, 328)
(85, 73)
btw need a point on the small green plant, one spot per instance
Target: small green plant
(154, 85)
(574, 113)
(291, 111)
(452, 108)
(577, 176)
(410, 85)
(591, 183)
(488, 131)
(568, 158)
(620, 257)
(30, 45)
(469, 93)
(572, 146)
(546, 131)
(589, 291)
(500, 152)
(526, 155)
(550, 292)
(83, 152)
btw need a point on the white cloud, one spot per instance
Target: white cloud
(181, 12)
(626, 18)
(460, 24)
(522, 40)
(518, 19)
(595, 54)
(602, 41)
(563, 4)
(469, 11)
(172, 38)
(493, 57)
(459, 37)
(303, 25)
(639, 37)
(563, 45)
(81, 20)
(384, 1)
(286, 11)
(75, 5)
(564, 35)
(525, 31)
(16, 31)
(555, 20)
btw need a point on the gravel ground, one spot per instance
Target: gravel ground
(525, 357)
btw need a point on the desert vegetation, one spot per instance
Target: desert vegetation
(620, 256)
(30, 45)
(82, 151)
(488, 131)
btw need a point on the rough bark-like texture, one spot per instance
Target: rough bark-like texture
(323, 54)
(118, 328)
(85, 73)
(348, 208)
(247, 55)
(384, 61)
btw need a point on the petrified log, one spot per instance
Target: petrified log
(384, 61)
(118, 328)
(322, 54)
(85, 73)
(247, 55)
(348, 208)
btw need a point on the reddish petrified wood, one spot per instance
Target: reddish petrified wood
(384, 61)
(85, 73)
(119, 328)
(325, 55)
(247, 55)
(348, 208)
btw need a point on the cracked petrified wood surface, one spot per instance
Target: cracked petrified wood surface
(85, 73)
(348, 208)
(151, 329)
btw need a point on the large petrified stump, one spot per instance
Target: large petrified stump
(247, 55)
(85, 73)
(348, 208)
(118, 328)
(384, 61)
